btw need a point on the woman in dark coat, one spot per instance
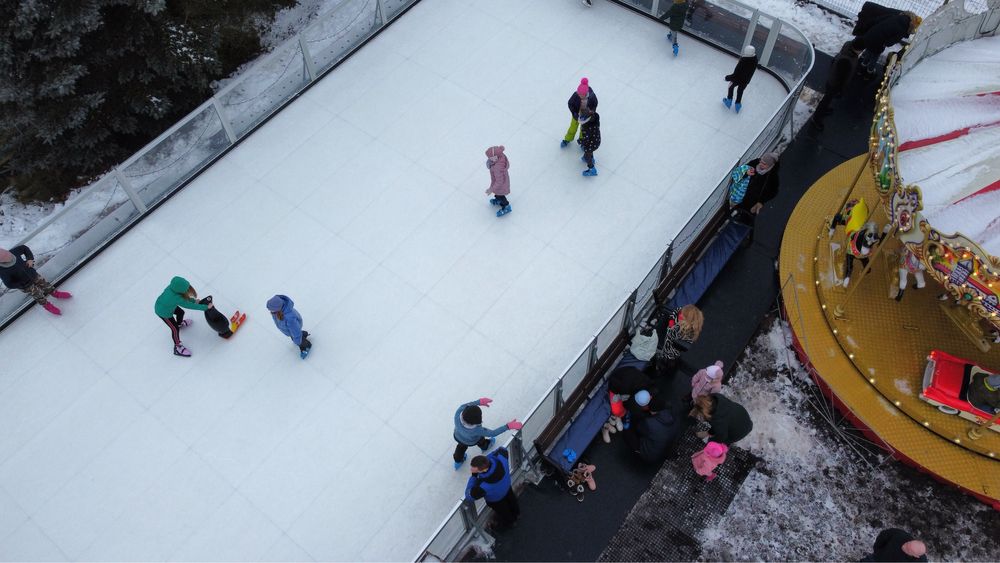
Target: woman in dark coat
(741, 76)
(879, 27)
(729, 421)
(590, 138)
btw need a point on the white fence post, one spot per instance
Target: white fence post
(225, 122)
(772, 38)
(379, 13)
(138, 203)
(307, 58)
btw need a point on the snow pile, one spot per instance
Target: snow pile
(817, 496)
(954, 93)
(827, 31)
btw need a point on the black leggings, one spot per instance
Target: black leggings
(174, 323)
(460, 448)
(739, 91)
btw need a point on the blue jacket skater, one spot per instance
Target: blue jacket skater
(469, 434)
(494, 483)
(291, 323)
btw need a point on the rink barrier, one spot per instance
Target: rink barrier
(790, 59)
(105, 210)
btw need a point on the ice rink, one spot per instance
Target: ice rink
(363, 201)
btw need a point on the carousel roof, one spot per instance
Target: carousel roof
(947, 117)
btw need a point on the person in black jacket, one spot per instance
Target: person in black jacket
(894, 544)
(741, 76)
(841, 71)
(590, 138)
(17, 271)
(584, 97)
(729, 421)
(879, 27)
(490, 480)
(651, 437)
(762, 188)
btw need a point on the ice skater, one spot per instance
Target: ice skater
(17, 271)
(590, 139)
(498, 164)
(584, 97)
(674, 17)
(741, 76)
(469, 429)
(170, 305)
(289, 322)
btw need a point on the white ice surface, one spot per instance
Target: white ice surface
(363, 201)
(952, 91)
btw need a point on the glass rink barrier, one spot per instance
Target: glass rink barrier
(730, 26)
(94, 217)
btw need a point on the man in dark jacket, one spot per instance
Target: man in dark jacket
(741, 76)
(729, 421)
(841, 71)
(894, 544)
(651, 437)
(879, 27)
(17, 271)
(761, 188)
(490, 480)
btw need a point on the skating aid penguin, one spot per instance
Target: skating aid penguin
(861, 235)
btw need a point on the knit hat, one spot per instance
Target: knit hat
(993, 381)
(472, 415)
(769, 159)
(275, 304)
(6, 256)
(584, 88)
(714, 371)
(749, 51)
(715, 449)
(641, 398)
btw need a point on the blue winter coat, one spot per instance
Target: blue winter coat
(469, 436)
(291, 324)
(494, 483)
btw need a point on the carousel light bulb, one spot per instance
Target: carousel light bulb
(823, 306)
(871, 380)
(850, 356)
(835, 331)
(896, 403)
(957, 441)
(927, 424)
(992, 454)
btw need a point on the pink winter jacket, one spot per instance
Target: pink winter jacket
(708, 459)
(707, 380)
(499, 179)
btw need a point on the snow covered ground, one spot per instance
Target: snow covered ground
(951, 102)
(363, 201)
(821, 496)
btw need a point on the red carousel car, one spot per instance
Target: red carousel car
(946, 386)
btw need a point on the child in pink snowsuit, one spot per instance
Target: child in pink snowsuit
(708, 459)
(498, 164)
(707, 380)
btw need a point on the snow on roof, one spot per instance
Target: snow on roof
(947, 115)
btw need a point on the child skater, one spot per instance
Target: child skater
(169, 305)
(17, 271)
(741, 76)
(584, 97)
(675, 20)
(289, 322)
(469, 429)
(498, 164)
(590, 139)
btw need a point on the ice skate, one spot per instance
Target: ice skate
(590, 172)
(51, 308)
(676, 49)
(305, 353)
(727, 102)
(563, 144)
(458, 464)
(489, 446)
(738, 107)
(504, 210)
(61, 294)
(181, 350)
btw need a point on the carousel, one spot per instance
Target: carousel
(889, 264)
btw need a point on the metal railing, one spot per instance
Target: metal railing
(785, 51)
(109, 206)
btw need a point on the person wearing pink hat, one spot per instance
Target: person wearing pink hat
(17, 271)
(584, 97)
(707, 380)
(706, 460)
